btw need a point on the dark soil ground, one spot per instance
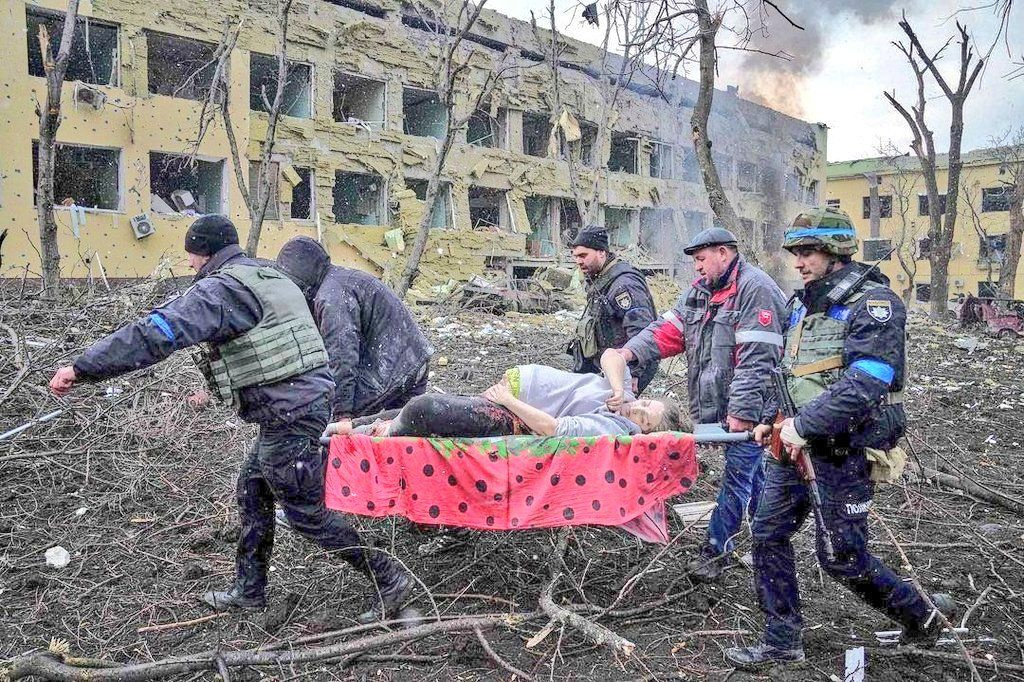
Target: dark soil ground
(139, 488)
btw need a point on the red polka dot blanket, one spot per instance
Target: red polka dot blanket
(513, 482)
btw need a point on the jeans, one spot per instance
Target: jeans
(741, 487)
(846, 491)
(286, 464)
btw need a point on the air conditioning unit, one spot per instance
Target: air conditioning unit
(90, 96)
(958, 283)
(142, 226)
(900, 277)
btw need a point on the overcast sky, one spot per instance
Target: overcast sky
(843, 61)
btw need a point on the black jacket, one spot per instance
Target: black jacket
(372, 340)
(216, 309)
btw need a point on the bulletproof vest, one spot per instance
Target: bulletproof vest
(284, 343)
(813, 358)
(586, 328)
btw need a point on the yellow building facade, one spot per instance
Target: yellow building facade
(983, 220)
(358, 141)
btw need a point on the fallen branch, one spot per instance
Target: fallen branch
(945, 656)
(55, 666)
(498, 659)
(968, 486)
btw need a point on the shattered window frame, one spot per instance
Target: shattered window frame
(342, 78)
(995, 199)
(204, 166)
(377, 185)
(657, 233)
(884, 206)
(540, 210)
(437, 127)
(877, 247)
(662, 164)
(834, 203)
(570, 222)
(988, 289)
(624, 153)
(273, 208)
(90, 180)
(924, 248)
(623, 226)
(308, 193)
(503, 223)
(991, 248)
(723, 164)
(259, 60)
(88, 41)
(746, 170)
(195, 83)
(923, 292)
(478, 138)
(922, 204)
(535, 139)
(443, 200)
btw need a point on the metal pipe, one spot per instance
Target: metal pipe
(29, 424)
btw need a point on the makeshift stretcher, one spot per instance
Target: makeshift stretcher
(516, 482)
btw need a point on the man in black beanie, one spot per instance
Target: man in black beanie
(265, 356)
(619, 306)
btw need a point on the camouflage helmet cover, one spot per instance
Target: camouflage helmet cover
(828, 229)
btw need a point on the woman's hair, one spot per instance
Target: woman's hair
(672, 419)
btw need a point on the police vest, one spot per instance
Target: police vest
(813, 357)
(586, 328)
(284, 343)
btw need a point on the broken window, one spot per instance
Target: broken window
(622, 158)
(995, 199)
(923, 292)
(358, 199)
(662, 160)
(487, 208)
(483, 130)
(768, 242)
(93, 57)
(290, 188)
(83, 176)
(365, 7)
(767, 180)
(540, 243)
(689, 169)
(922, 204)
(657, 232)
(746, 176)
(874, 249)
(622, 226)
(694, 222)
(811, 193)
(723, 164)
(794, 188)
(424, 115)
(992, 248)
(536, 134)
(178, 184)
(884, 206)
(988, 289)
(440, 215)
(296, 100)
(179, 67)
(569, 221)
(359, 101)
(833, 203)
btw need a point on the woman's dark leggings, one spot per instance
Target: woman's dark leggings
(449, 416)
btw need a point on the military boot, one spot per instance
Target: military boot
(762, 655)
(927, 633)
(233, 598)
(392, 584)
(708, 567)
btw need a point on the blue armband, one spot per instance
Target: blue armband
(882, 371)
(161, 323)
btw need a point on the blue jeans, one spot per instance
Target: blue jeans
(846, 491)
(741, 486)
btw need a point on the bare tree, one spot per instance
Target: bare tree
(217, 102)
(900, 183)
(1012, 168)
(453, 76)
(49, 121)
(970, 190)
(941, 232)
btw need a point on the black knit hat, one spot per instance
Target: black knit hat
(592, 237)
(209, 234)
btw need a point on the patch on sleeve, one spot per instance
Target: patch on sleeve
(879, 309)
(764, 317)
(624, 300)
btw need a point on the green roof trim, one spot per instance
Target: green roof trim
(883, 165)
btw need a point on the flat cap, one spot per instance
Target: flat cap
(713, 236)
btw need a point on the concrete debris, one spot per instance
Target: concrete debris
(57, 557)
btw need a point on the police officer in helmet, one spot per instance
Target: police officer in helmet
(843, 364)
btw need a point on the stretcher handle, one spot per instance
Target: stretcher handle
(718, 437)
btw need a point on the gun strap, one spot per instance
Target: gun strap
(825, 364)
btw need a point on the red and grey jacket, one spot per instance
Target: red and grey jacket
(732, 336)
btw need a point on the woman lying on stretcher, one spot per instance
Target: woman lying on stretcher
(529, 399)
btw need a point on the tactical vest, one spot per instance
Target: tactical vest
(813, 357)
(586, 328)
(284, 343)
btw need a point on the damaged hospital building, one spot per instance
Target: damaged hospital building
(357, 143)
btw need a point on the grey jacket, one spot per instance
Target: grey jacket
(373, 342)
(732, 335)
(215, 309)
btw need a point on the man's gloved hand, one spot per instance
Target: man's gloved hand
(790, 438)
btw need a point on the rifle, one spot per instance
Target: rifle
(802, 461)
(847, 285)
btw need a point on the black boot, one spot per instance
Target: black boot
(233, 598)
(927, 633)
(762, 655)
(392, 585)
(707, 567)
